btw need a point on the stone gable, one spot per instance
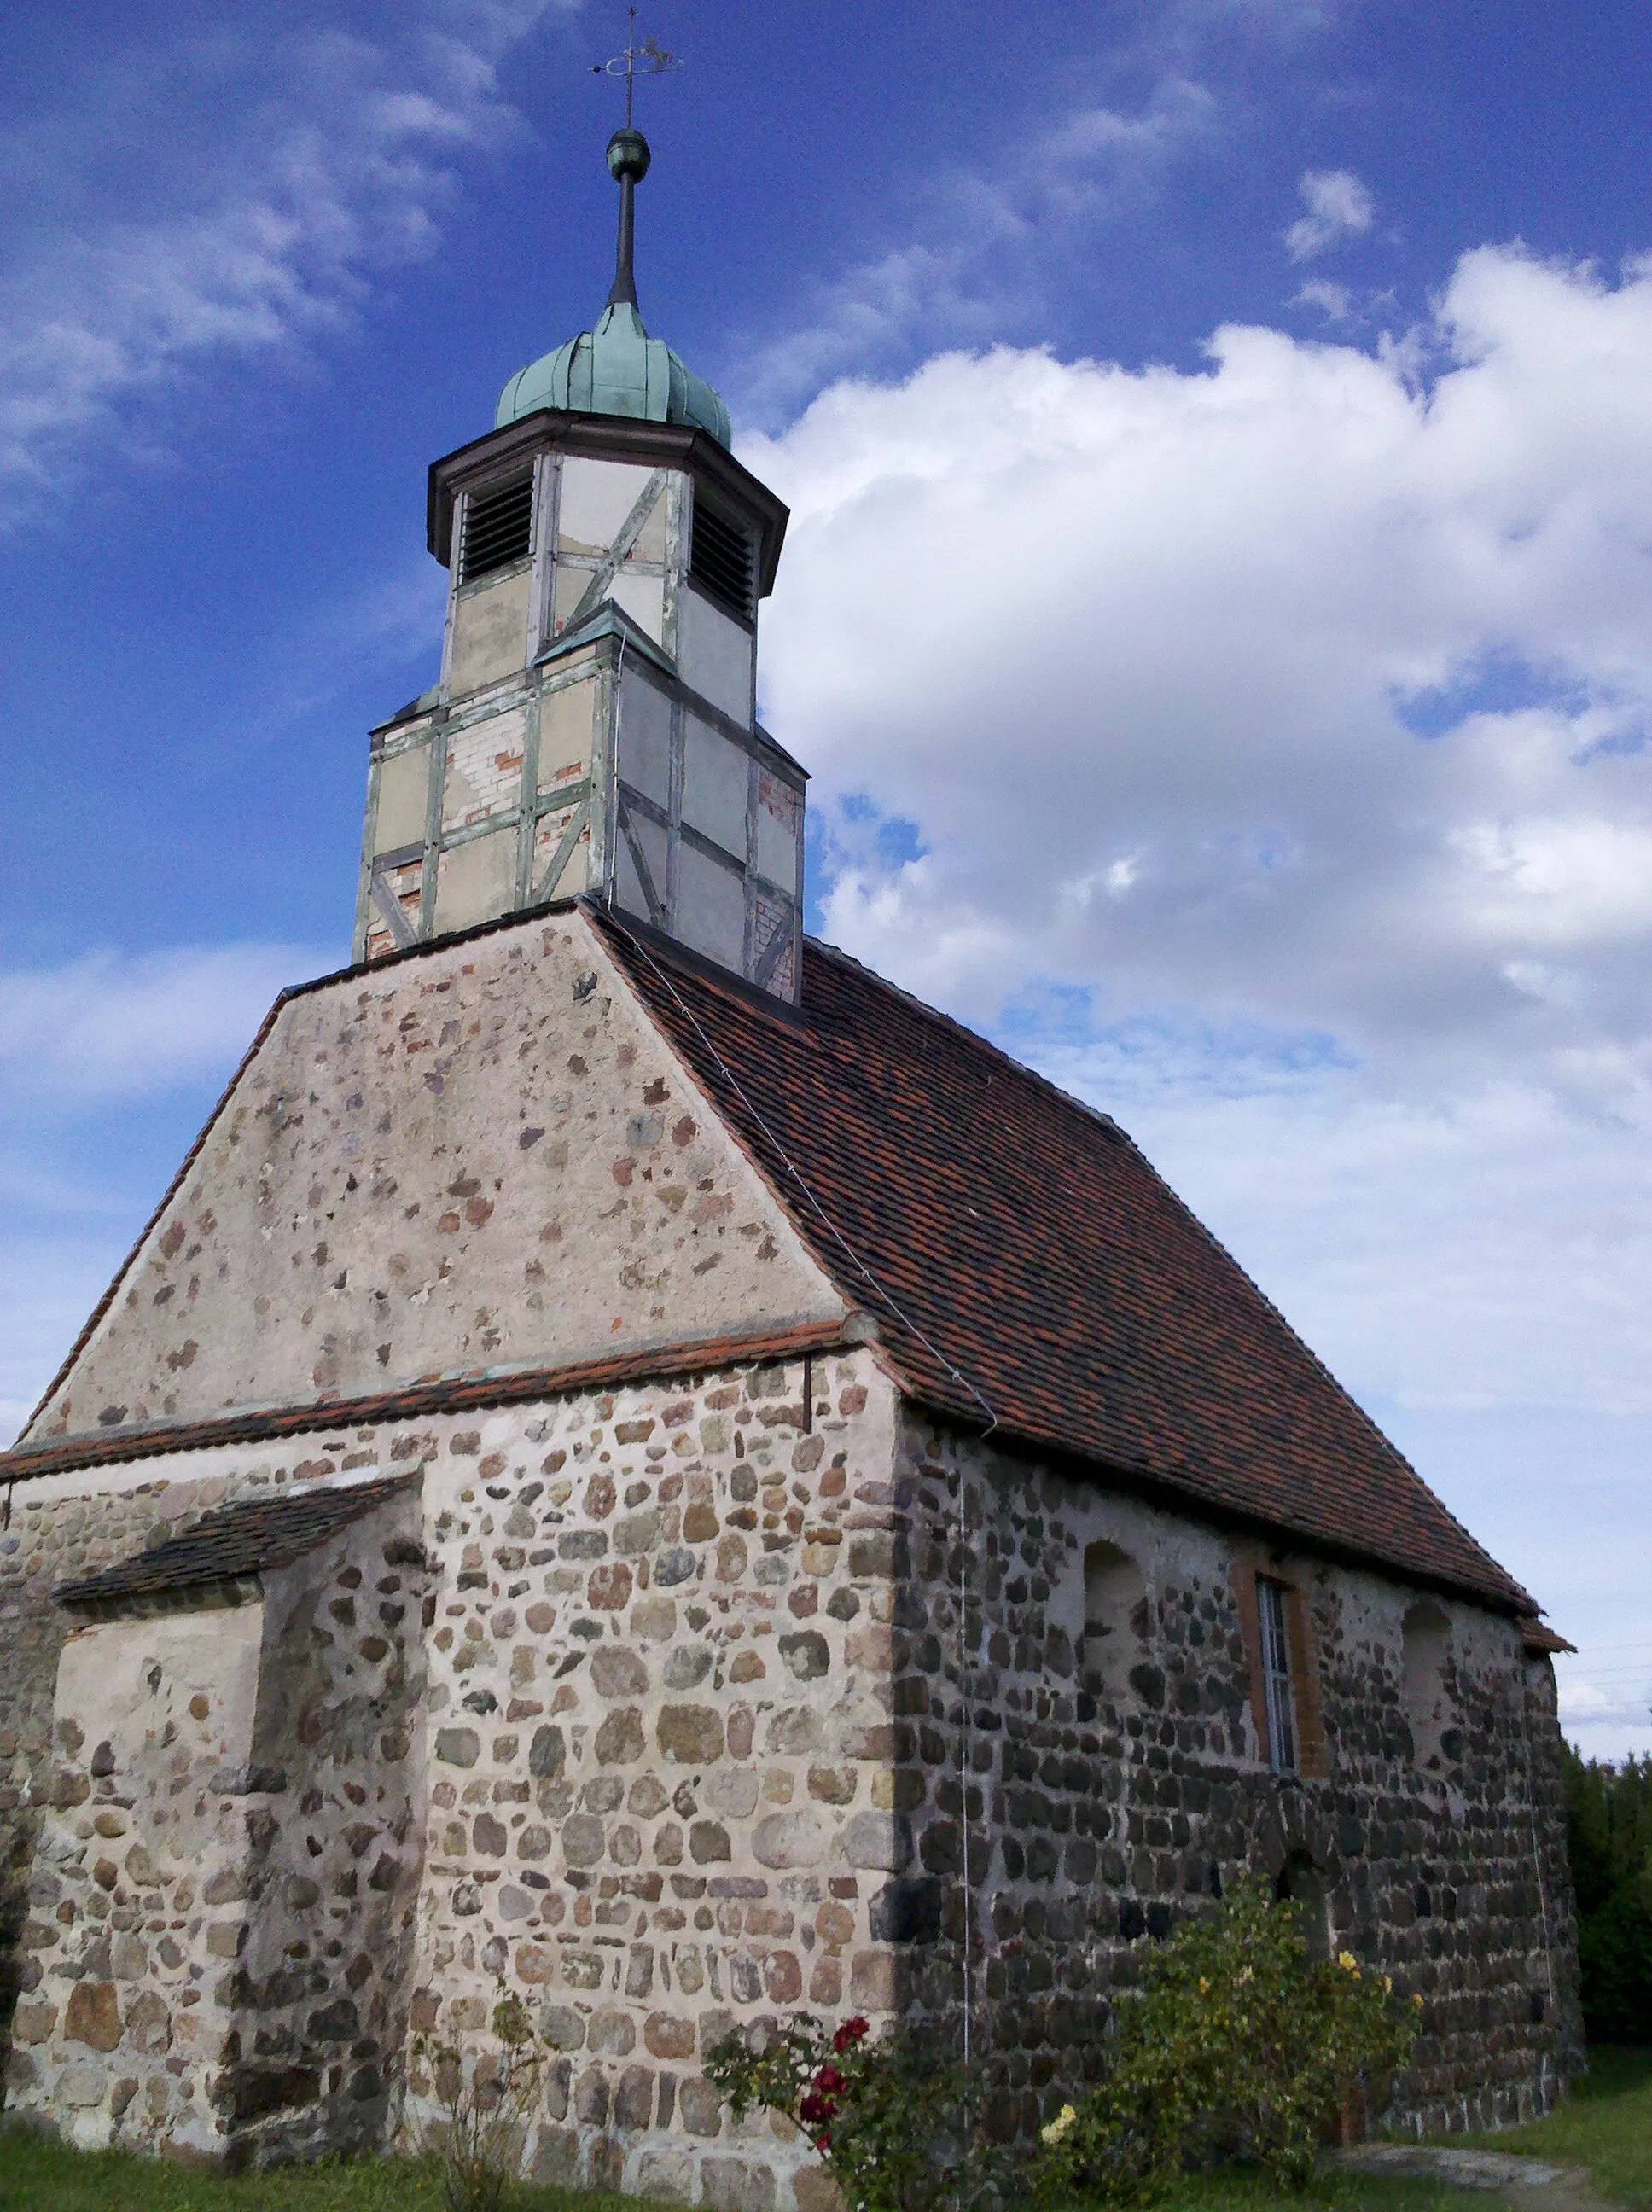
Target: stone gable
(482, 1158)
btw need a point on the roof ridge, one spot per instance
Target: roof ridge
(974, 1037)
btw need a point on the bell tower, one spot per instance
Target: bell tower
(594, 728)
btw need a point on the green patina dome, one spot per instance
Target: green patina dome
(617, 368)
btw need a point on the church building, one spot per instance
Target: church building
(637, 1458)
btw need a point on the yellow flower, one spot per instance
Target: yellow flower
(1388, 1985)
(1417, 2002)
(1203, 1987)
(1347, 1961)
(1059, 2126)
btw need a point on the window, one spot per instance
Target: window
(1115, 1619)
(720, 560)
(498, 528)
(1271, 1601)
(1425, 1642)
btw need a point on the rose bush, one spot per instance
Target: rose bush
(893, 2119)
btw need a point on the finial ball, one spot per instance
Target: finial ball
(628, 156)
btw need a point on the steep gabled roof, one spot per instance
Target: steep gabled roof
(1029, 1269)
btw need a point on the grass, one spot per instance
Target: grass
(1605, 2124)
(38, 2176)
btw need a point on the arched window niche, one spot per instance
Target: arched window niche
(1115, 1619)
(1302, 1882)
(1425, 1651)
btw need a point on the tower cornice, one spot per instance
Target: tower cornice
(612, 438)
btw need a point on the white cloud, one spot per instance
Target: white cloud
(1334, 302)
(1064, 617)
(110, 1026)
(1339, 206)
(1141, 660)
(314, 160)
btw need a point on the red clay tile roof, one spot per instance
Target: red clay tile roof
(1022, 1258)
(417, 1401)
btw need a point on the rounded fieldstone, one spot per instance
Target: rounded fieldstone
(619, 1739)
(548, 1752)
(582, 1839)
(878, 1839)
(807, 1653)
(692, 1736)
(617, 1672)
(789, 1840)
(687, 1664)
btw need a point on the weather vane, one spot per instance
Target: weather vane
(649, 59)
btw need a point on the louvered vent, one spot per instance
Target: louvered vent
(721, 560)
(498, 528)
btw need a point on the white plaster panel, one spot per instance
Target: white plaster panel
(566, 717)
(716, 778)
(643, 597)
(596, 498)
(490, 632)
(715, 656)
(403, 796)
(780, 827)
(477, 881)
(644, 736)
(711, 908)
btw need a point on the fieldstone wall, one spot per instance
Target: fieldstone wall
(1104, 1805)
(680, 1704)
(661, 1717)
(485, 1158)
(223, 1886)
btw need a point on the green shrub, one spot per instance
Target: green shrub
(893, 2119)
(1238, 2040)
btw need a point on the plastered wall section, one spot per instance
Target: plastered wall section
(482, 1158)
(1112, 1794)
(222, 1892)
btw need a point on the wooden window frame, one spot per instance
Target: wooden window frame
(1279, 1682)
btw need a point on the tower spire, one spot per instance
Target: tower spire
(628, 150)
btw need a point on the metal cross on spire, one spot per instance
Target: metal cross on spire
(649, 59)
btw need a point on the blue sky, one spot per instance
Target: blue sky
(1219, 438)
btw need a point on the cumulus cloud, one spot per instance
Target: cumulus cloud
(1263, 751)
(1339, 206)
(317, 158)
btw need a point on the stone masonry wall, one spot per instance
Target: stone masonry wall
(225, 1877)
(648, 1778)
(655, 1713)
(1099, 1814)
(661, 1726)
